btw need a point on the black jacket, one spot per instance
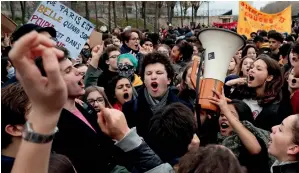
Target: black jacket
(138, 112)
(287, 168)
(269, 116)
(88, 150)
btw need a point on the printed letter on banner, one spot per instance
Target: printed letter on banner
(252, 20)
(72, 29)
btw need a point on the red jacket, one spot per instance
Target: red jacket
(295, 102)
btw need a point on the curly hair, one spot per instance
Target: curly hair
(156, 57)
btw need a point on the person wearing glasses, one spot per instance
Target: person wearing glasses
(95, 96)
(102, 67)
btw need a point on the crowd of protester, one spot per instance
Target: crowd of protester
(128, 105)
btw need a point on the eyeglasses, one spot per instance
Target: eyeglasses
(114, 56)
(99, 100)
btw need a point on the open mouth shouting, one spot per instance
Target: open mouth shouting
(81, 83)
(154, 86)
(224, 128)
(126, 96)
(250, 78)
(224, 125)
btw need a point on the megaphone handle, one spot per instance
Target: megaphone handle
(198, 108)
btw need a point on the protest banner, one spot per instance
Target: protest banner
(72, 29)
(7, 25)
(252, 20)
(230, 25)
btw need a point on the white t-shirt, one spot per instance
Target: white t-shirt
(256, 109)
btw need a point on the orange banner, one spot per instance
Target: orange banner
(252, 20)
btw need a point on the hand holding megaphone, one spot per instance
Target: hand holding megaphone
(217, 56)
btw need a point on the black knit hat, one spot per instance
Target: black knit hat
(25, 29)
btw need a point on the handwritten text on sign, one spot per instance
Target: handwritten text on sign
(72, 29)
(252, 20)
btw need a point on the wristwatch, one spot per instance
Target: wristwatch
(31, 136)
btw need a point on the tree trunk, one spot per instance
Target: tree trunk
(109, 16)
(192, 14)
(144, 11)
(195, 12)
(126, 13)
(182, 17)
(12, 9)
(86, 10)
(171, 13)
(124, 6)
(114, 14)
(96, 11)
(74, 6)
(159, 14)
(23, 9)
(136, 13)
(156, 16)
(168, 12)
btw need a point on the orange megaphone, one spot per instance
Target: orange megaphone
(220, 46)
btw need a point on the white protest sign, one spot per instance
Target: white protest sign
(72, 29)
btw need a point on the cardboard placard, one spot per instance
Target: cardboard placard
(95, 39)
(7, 25)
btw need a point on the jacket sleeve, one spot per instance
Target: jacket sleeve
(141, 155)
(91, 76)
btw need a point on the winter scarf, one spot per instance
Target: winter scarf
(234, 142)
(155, 104)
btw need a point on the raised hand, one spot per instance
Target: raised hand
(97, 51)
(113, 123)
(6, 41)
(47, 94)
(221, 101)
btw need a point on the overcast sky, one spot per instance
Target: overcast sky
(220, 7)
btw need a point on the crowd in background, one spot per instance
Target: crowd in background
(128, 105)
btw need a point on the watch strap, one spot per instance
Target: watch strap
(31, 136)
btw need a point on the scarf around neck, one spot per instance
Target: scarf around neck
(234, 142)
(156, 104)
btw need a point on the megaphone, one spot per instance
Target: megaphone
(220, 46)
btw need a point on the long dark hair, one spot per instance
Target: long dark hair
(184, 76)
(243, 110)
(110, 89)
(272, 89)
